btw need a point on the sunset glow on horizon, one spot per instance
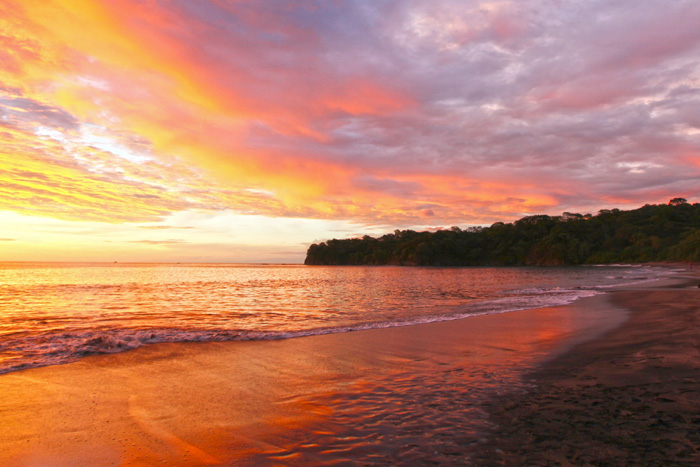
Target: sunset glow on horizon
(242, 131)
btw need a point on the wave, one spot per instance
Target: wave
(59, 339)
(28, 350)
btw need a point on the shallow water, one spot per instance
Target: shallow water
(409, 395)
(53, 313)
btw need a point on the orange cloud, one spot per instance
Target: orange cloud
(116, 64)
(133, 72)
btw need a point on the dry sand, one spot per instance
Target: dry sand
(631, 397)
(413, 395)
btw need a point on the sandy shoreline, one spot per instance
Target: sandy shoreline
(631, 397)
(385, 395)
(411, 395)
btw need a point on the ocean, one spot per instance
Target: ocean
(54, 313)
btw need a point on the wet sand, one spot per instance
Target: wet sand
(630, 397)
(407, 395)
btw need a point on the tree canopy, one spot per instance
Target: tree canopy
(665, 232)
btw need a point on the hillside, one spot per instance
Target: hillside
(665, 232)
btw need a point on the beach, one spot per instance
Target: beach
(631, 397)
(612, 378)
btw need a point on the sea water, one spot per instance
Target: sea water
(53, 313)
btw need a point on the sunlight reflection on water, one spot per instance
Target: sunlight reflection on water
(57, 312)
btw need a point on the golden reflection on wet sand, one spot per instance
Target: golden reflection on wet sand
(383, 395)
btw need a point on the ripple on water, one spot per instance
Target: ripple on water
(433, 415)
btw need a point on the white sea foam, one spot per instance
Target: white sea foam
(55, 348)
(65, 318)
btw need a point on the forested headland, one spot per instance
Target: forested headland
(664, 232)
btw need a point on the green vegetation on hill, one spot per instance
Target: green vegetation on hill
(666, 232)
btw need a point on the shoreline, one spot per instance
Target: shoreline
(38, 348)
(400, 394)
(413, 394)
(628, 397)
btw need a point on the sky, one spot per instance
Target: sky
(244, 130)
